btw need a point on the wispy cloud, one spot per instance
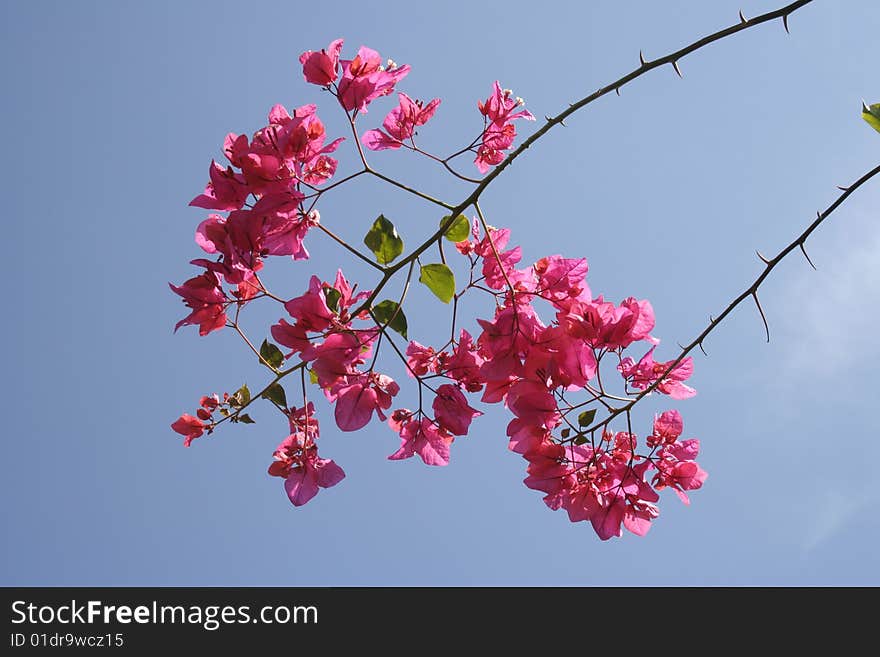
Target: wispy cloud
(834, 510)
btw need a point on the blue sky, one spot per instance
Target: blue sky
(112, 114)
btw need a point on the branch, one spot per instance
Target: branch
(750, 291)
(645, 66)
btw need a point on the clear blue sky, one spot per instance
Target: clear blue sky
(112, 112)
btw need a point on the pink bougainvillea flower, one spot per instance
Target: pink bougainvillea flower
(204, 295)
(400, 124)
(499, 110)
(452, 411)
(677, 468)
(505, 340)
(558, 360)
(464, 363)
(357, 396)
(533, 402)
(302, 483)
(646, 372)
(189, 427)
(420, 359)
(323, 304)
(364, 79)
(548, 471)
(338, 356)
(561, 279)
(260, 162)
(500, 105)
(299, 140)
(421, 437)
(225, 191)
(296, 460)
(492, 149)
(310, 309)
(498, 269)
(322, 67)
(667, 428)
(347, 297)
(209, 402)
(638, 516)
(606, 326)
(293, 336)
(525, 437)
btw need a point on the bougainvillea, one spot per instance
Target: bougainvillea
(539, 352)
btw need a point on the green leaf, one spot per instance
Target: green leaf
(276, 394)
(332, 295)
(566, 432)
(383, 241)
(440, 280)
(872, 115)
(580, 439)
(389, 310)
(241, 397)
(247, 419)
(585, 419)
(313, 376)
(271, 354)
(459, 230)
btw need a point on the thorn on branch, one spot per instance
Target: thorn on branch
(700, 345)
(785, 23)
(804, 251)
(677, 70)
(763, 316)
(642, 58)
(763, 259)
(843, 189)
(742, 19)
(617, 90)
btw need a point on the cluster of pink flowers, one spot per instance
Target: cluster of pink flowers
(269, 190)
(595, 475)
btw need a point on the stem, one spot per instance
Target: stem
(416, 192)
(749, 292)
(350, 248)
